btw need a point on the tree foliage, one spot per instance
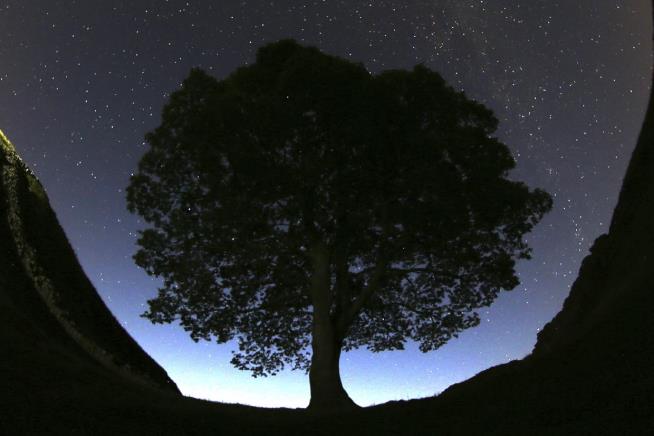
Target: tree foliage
(394, 179)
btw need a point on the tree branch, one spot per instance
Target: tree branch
(366, 293)
(342, 291)
(320, 295)
(377, 274)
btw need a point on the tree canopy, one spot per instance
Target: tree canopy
(303, 201)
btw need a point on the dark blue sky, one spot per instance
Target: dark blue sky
(81, 82)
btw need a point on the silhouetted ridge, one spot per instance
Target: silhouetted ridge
(44, 289)
(618, 271)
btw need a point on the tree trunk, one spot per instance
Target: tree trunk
(327, 393)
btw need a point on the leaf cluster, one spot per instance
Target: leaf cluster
(396, 174)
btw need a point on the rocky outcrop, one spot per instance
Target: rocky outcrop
(617, 277)
(51, 310)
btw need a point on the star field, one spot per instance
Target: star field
(81, 82)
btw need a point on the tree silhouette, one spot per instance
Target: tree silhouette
(304, 206)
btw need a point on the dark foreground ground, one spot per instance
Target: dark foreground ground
(580, 392)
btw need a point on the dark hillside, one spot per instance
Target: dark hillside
(51, 313)
(617, 276)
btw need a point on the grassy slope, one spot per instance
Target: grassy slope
(75, 296)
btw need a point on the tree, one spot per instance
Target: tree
(304, 206)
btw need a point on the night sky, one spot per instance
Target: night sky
(81, 82)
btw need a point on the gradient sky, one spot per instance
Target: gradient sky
(81, 82)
